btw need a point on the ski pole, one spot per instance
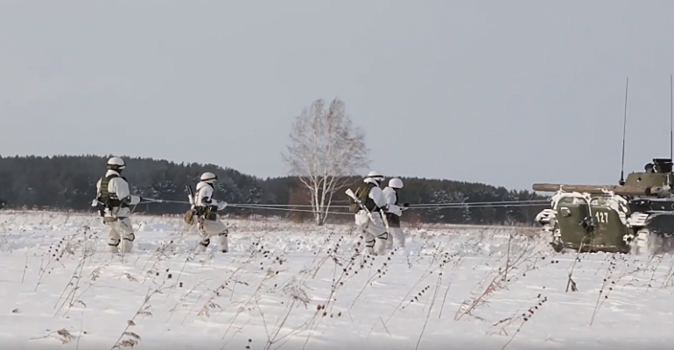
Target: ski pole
(159, 200)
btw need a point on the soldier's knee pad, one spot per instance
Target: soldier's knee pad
(369, 242)
(205, 242)
(114, 242)
(383, 235)
(224, 233)
(130, 237)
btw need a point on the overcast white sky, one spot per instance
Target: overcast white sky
(503, 92)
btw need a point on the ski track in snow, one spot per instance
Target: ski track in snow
(266, 293)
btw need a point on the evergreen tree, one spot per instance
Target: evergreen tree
(69, 182)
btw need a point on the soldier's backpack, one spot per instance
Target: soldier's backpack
(361, 193)
(109, 200)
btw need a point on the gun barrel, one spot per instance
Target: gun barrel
(595, 189)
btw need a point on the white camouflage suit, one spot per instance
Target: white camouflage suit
(208, 223)
(116, 217)
(394, 212)
(373, 225)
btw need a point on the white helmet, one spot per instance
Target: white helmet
(208, 177)
(116, 163)
(395, 183)
(373, 176)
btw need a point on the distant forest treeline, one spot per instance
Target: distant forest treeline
(69, 182)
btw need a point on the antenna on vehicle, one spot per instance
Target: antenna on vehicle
(622, 166)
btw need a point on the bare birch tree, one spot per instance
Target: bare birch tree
(325, 149)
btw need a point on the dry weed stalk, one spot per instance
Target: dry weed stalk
(430, 308)
(655, 269)
(255, 249)
(254, 297)
(128, 338)
(76, 277)
(296, 295)
(62, 334)
(524, 317)
(25, 267)
(270, 274)
(401, 305)
(313, 323)
(184, 297)
(55, 253)
(210, 302)
(570, 283)
(383, 269)
(446, 259)
(497, 282)
(338, 283)
(331, 253)
(607, 281)
(669, 275)
(456, 264)
(295, 291)
(505, 273)
(157, 258)
(326, 308)
(77, 299)
(190, 256)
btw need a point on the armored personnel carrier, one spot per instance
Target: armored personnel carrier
(636, 216)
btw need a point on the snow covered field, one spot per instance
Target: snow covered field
(288, 286)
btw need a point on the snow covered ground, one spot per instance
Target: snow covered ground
(289, 286)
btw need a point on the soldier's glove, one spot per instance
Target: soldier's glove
(394, 209)
(134, 200)
(222, 205)
(99, 206)
(406, 205)
(131, 200)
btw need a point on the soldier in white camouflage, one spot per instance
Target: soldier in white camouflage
(370, 219)
(114, 202)
(206, 211)
(393, 214)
